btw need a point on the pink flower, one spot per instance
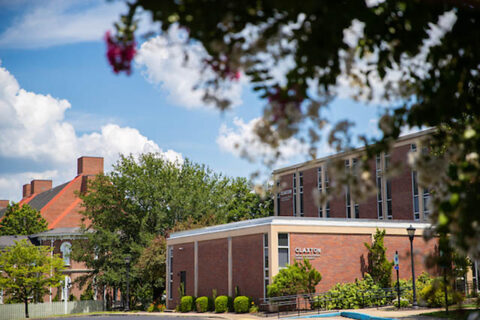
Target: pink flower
(120, 54)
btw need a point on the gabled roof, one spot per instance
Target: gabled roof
(41, 199)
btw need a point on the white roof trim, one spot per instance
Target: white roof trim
(301, 221)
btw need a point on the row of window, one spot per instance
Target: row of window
(384, 193)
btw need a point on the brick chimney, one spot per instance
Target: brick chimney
(39, 186)
(89, 165)
(27, 190)
(4, 203)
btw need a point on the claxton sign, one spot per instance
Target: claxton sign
(286, 195)
(309, 253)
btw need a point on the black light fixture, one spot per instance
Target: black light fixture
(411, 236)
(127, 302)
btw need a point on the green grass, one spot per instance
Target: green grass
(452, 314)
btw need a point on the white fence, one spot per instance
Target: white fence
(39, 310)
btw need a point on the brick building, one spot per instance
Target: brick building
(60, 206)
(398, 197)
(244, 256)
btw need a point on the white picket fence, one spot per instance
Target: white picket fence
(40, 310)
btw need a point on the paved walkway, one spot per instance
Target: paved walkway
(409, 314)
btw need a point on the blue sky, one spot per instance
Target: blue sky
(59, 100)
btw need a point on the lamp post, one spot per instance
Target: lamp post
(411, 235)
(127, 302)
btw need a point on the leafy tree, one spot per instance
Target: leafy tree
(245, 204)
(144, 199)
(27, 270)
(379, 267)
(22, 220)
(420, 57)
(295, 279)
(151, 265)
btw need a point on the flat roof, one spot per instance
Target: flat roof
(7, 241)
(345, 153)
(302, 221)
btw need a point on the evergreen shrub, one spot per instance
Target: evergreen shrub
(186, 304)
(223, 304)
(434, 294)
(203, 304)
(241, 304)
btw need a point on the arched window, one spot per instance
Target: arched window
(66, 249)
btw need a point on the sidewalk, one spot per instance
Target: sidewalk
(410, 314)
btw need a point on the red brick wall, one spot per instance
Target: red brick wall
(212, 267)
(183, 260)
(341, 257)
(27, 190)
(421, 250)
(286, 202)
(39, 186)
(345, 257)
(89, 165)
(337, 206)
(402, 199)
(310, 183)
(247, 265)
(4, 203)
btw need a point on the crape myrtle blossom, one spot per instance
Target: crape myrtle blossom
(120, 54)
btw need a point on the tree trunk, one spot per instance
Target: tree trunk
(26, 308)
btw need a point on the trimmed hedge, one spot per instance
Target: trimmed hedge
(241, 304)
(223, 304)
(186, 304)
(203, 304)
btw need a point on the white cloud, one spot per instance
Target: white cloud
(242, 141)
(32, 127)
(50, 23)
(163, 61)
(363, 70)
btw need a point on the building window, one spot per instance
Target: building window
(294, 194)
(388, 188)
(320, 190)
(355, 204)
(66, 250)
(348, 194)
(426, 198)
(327, 185)
(283, 250)
(378, 171)
(170, 271)
(348, 203)
(416, 207)
(66, 284)
(301, 193)
(266, 279)
(278, 198)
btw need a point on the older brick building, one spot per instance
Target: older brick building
(60, 206)
(398, 198)
(244, 256)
